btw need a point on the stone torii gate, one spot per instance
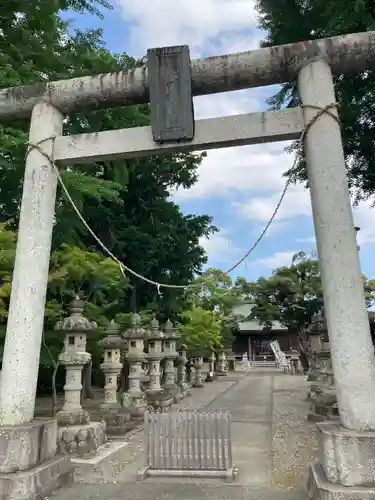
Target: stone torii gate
(169, 82)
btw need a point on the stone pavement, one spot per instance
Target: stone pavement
(272, 446)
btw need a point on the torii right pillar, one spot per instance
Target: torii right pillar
(347, 462)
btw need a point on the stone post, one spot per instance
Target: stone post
(170, 355)
(345, 308)
(77, 435)
(111, 367)
(20, 363)
(198, 365)
(135, 337)
(222, 368)
(314, 334)
(348, 450)
(211, 367)
(29, 467)
(181, 371)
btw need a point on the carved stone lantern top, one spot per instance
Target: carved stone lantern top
(170, 332)
(112, 339)
(155, 332)
(136, 331)
(318, 323)
(76, 322)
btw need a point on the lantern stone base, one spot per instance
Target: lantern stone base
(70, 418)
(347, 466)
(159, 400)
(118, 422)
(134, 402)
(323, 405)
(105, 465)
(81, 440)
(198, 383)
(347, 456)
(29, 468)
(173, 391)
(319, 488)
(184, 390)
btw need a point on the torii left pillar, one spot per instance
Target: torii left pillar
(29, 467)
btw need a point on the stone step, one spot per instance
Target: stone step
(264, 364)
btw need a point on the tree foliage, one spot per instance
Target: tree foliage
(208, 314)
(293, 294)
(287, 21)
(200, 329)
(126, 203)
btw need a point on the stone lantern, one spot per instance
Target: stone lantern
(116, 418)
(154, 356)
(198, 366)
(135, 337)
(76, 434)
(170, 355)
(111, 367)
(74, 357)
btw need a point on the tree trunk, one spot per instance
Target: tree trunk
(124, 378)
(303, 354)
(87, 392)
(133, 300)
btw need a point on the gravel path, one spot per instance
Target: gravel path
(294, 440)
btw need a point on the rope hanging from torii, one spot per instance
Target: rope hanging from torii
(320, 111)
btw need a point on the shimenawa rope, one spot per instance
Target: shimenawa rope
(123, 267)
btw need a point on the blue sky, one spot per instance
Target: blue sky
(239, 187)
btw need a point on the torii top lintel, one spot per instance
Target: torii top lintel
(261, 67)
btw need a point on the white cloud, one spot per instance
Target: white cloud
(278, 259)
(245, 168)
(310, 239)
(364, 217)
(196, 22)
(219, 248)
(295, 202)
(212, 27)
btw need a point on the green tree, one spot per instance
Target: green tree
(215, 291)
(200, 329)
(126, 203)
(73, 271)
(291, 295)
(287, 21)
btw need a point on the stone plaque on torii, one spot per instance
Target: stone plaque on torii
(173, 81)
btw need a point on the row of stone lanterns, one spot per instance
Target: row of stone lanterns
(77, 432)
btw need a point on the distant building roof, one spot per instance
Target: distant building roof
(252, 325)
